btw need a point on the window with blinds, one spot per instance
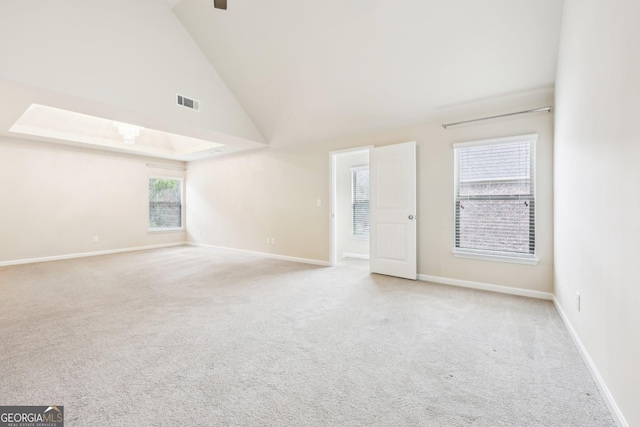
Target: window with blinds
(360, 202)
(495, 197)
(165, 203)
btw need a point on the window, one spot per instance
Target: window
(495, 199)
(165, 203)
(360, 202)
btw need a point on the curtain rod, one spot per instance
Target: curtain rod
(178, 168)
(536, 110)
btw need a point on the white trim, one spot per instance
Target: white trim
(490, 257)
(87, 254)
(359, 168)
(333, 238)
(487, 287)
(604, 390)
(482, 255)
(183, 208)
(165, 230)
(350, 255)
(266, 255)
(157, 166)
(167, 177)
(351, 150)
(517, 138)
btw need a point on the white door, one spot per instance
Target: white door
(393, 233)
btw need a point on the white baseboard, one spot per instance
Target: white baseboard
(358, 256)
(87, 254)
(604, 390)
(266, 255)
(487, 287)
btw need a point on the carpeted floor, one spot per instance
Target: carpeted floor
(192, 336)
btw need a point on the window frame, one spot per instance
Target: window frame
(352, 172)
(182, 207)
(488, 255)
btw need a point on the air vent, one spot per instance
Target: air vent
(189, 103)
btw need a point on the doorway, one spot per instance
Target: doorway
(350, 204)
(381, 227)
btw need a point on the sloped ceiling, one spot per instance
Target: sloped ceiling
(277, 72)
(312, 70)
(119, 60)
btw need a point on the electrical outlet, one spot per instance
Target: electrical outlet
(268, 241)
(319, 202)
(273, 241)
(578, 300)
(96, 239)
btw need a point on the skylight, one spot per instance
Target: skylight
(82, 129)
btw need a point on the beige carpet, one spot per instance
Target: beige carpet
(191, 336)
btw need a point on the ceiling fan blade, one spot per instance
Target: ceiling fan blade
(220, 4)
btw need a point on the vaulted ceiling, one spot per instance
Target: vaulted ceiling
(310, 70)
(277, 72)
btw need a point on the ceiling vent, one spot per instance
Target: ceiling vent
(189, 103)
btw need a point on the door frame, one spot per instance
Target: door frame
(333, 256)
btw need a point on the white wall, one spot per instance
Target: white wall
(133, 55)
(238, 201)
(597, 173)
(55, 199)
(345, 242)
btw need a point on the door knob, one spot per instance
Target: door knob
(410, 216)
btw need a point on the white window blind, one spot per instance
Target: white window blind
(495, 196)
(165, 203)
(360, 201)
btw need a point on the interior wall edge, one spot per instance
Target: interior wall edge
(266, 255)
(487, 287)
(351, 255)
(88, 254)
(616, 413)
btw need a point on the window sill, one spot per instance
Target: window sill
(356, 237)
(165, 230)
(528, 260)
